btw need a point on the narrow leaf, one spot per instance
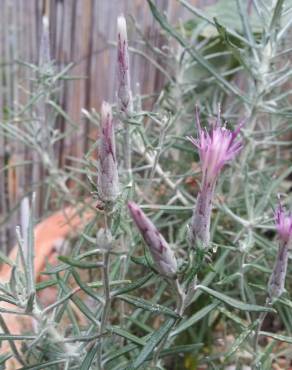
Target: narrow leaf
(281, 338)
(195, 318)
(173, 351)
(46, 284)
(238, 342)
(152, 342)
(44, 365)
(118, 353)
(129, 287)
(234, 302)
(145, 305)
(125, 334)
(86, 363)
(82, 265)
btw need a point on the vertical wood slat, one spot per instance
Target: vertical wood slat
(80, 33)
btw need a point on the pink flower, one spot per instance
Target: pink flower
(161, 252)
(108, 181)
(216, 148)
(283, 222)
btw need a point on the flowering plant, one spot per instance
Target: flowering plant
(131, 284)
(215, 148)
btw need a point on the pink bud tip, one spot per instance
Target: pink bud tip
(283, 221)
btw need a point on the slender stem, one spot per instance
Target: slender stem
(242, 289)
(123, 261)
(160, 347)
(158, 169)
(107, 297)
(106, 287)
(180, 307)
(257, 331)
(127, 150)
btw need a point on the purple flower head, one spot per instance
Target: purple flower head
(108, 181)
(283, 222)
(161, 252)
(124, 90)
(216, 148)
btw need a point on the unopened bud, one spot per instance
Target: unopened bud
(276, 284)
(108, 180)
(124, 89)
(283, 222)
(161, 252)
(45, 52)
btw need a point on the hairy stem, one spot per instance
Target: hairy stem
(257, 333)
(107, 297)
(180, 307)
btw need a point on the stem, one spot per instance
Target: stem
(158, 169)
(201, 219)
(242, 290)
(257, 331)
(123, 261)
(127, 150)
(107, 297)
(180, 307)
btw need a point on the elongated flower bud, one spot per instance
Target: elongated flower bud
(108, 181)
(216, 148)
(125, 102)
(161, 252)
(124, 88)
(283, 220)
(45, 53)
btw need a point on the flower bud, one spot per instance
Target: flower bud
(161, 252)
(124, 88)
(45, 61)
(108, 181)
(283, 220)
(276, 285)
